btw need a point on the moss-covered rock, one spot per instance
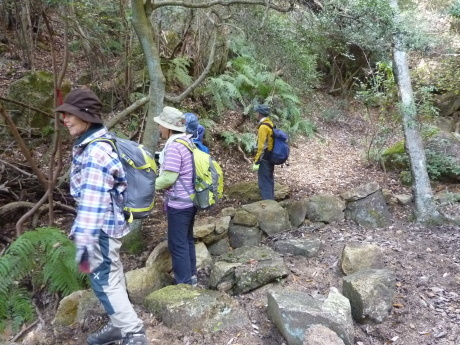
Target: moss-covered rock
(35, 89)
(248, 192)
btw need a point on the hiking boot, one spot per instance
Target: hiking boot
(107, 335)
(135, 339)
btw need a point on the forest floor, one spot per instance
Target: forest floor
(425, 260)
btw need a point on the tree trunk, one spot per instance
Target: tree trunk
(425, 207)
(145, 34)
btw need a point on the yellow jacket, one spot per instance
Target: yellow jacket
(264, 138)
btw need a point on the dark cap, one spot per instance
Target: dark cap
(262, 109)
(84, 104)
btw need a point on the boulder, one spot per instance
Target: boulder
(358, 256)
(272, 218)
(371, 293)
(248, 192)
(184, 308)
(243, 236)
(325, 208)
(247, 268)
(294, 312)
(370, 212)
(297, 211)
(308, 247)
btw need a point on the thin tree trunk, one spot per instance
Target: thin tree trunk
(425, 208)
(145, 34)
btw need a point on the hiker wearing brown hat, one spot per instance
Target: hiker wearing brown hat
(100, 224)
(176, 178)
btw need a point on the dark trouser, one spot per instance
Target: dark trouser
(181, 244)
(266, 180)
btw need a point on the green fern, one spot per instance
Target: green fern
(178, 71)
(246, 141)
(20, 308)
(45, 257)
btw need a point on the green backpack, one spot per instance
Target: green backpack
(208, 177)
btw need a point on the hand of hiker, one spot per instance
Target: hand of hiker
(82, 259)
(255, 167)
(85, 245)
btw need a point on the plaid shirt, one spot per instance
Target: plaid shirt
(96, 171)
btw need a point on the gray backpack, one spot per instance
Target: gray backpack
(141, 172)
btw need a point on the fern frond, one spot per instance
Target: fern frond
(20, 308)
(230, 138)
(44, 255)
(248, 142)
(177, 70)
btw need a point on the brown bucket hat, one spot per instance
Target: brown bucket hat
(84, 104)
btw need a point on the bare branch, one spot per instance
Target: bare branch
(24, 150)
(26, 106)
(207, 4)
(16, 168)
(203, 75)
(121, 115)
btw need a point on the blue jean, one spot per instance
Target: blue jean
(266, 180)
(181, 244)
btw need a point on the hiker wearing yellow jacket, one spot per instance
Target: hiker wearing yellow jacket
(264, 168)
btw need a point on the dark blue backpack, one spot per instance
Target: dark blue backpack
(280, 152)
(201, 146)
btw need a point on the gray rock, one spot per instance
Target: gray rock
(360, 192)
(228, 212)
(308, 247)
(203, 256)
(294, 312)
(358, 256)
(325, 208)
(183, 308)
(370, 212)
(247, 268)
(222, 224)
(271, 216)
(243, 217)
(240, 236)
(320, 335)
(143, 281)
(247, 192)
(220, 247)
(371, 293)
(204, 227)
(297, 211)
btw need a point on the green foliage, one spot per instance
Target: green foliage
(406, 178)
(396, 148)
(246, 141)
(454, 10)
(177, 70)
(440, 164)
(44, 257)
(276, 42)
(248, 82)
(379, 87)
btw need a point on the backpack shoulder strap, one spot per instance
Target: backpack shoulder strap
(107, 140)
(190, 146)
(267, 124)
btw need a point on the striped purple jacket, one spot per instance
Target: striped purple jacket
(96, 170)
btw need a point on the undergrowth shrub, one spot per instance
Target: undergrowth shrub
(44, 257)
(247, 141)
(248, 82)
